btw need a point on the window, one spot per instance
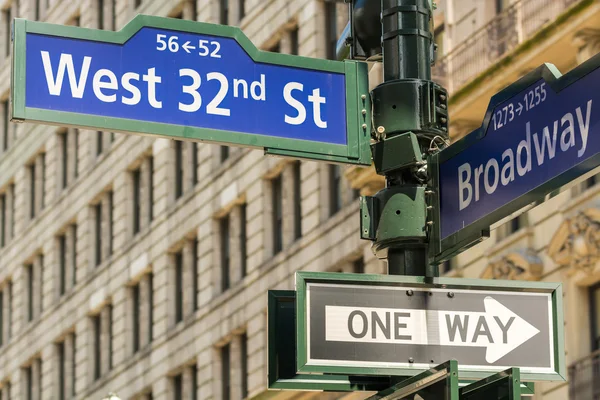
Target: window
(512, 226)
(243, 239)
(277, 217)
(195, 273)
(594, 296)
(224, 245)
(446, 266)
(141, 312)
(242, 9)
(294, 45)
(62, 262)
(2, 318)
(136, 176)
(103, 227)
(194, 163)
(32, 187)
(224, 153)
(2, 219)
(69, 142)
(184, 384)
(5, 125)
(358, 266)
(178, 169)
(65, 354)
(33, 379)
(7, 210)
(335, 189)
(7, 18)
(297, 199)
(330, 30)
(276, 48)
(36, 172)
(137, 3)
(225, 373)
(99, 143)
(102, 341)
(178, 286)
(178, 387)
(244, 364)
(34, 289)
(5, 313)
(224, 12)
(106, 14)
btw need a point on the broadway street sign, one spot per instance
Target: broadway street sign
(191, 80)
(397, 325)
(538, 134)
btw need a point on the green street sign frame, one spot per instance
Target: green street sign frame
(441, 249)
(358, 124)
(505, 385)
(444, 285)
(282, 354)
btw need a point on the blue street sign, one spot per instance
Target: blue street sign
(204, 78)
(538, 134)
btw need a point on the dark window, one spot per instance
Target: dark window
(110, 337)
(110, 222)
(101, 14)
(446, 266)
(335, 183)
(113, 14)
(62, 250)
(224, 153)
(243, 239)
(2, 316)
(135, 311)
(590, 182)
(595, 316)
(297, 200)
(74, 253)
(330, 29)
(29, 377)
(242, 8)
(73, 364)
(276, 48)
(32, 190)
(2, 220)
(6, 126)
(151, 188)
(224, 12)
(225, 373)
(98, 230)
(224, 239)
(29, 274)
(8, 17)
(178, 387)
(294, 41)
(76, 150)
(99, 143)
(12, 210)
(137, 3)
(194, 373)
(60, 348)
(97, 346)
(137, 205)
(178, 169)
(194, 163)
(37, 10)
(8, 316)
(516, 224)
(277, 204)
(42, 193)
(195, 273)
(358, 266)
(244, 364)
(178, 286)
(150, 307)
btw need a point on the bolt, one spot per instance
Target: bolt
(442, 97)
(364, 112)
(409, 292)
(451, 294)
(430, 207)
(429, 192)
(364, 96)
(411, 360)
(380, 129)
(444, 120)
(364, 126)
(443, 105)
(430, 223)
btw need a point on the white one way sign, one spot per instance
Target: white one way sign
(385, 325)
(498, 329)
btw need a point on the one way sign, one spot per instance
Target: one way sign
(373, 324)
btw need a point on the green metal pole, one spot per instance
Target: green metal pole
(409, 112)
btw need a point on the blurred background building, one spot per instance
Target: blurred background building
(140, 266)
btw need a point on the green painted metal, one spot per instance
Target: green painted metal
(440, 250)
(357, 94)
(505, 385)
(397, 152)
(302, 278)
(438, 383)
(281, 354)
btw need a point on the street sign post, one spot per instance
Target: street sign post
(539, 134)
(398, 325)
(191, 80)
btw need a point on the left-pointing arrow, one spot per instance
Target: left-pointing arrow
(187, 47)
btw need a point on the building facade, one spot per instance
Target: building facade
(141, 266)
